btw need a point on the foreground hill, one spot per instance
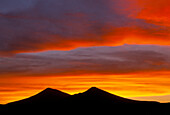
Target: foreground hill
(92, 100)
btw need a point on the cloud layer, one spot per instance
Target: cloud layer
(37, 25)
(89, 61)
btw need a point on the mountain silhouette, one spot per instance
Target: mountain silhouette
(97, 96)
(48, 95)
(92, 100)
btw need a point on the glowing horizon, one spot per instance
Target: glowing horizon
(129, 86)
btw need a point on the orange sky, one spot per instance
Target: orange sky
(28, 34)
(132, 85)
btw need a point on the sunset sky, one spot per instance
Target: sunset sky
(121, 46)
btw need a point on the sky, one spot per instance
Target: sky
(121, 46)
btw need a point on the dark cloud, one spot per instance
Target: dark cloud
(35, 25)
(95, 60)
(10, 6)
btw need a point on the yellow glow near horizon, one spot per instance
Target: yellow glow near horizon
(135, 85)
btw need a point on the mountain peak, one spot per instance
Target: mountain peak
(51, 91)
(94, 90)
(48, 95)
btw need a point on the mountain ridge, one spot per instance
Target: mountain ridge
(54, 94)
(47, 95)
(96, 95)
(90, 100)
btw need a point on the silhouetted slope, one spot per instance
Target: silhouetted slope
(48, 95)
(101, 95)
(98, 97)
